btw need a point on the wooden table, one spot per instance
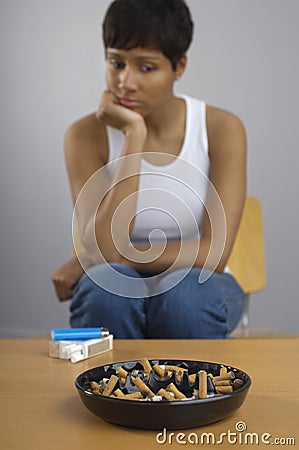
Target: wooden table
(40, 408)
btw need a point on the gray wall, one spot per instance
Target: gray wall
(243, 58)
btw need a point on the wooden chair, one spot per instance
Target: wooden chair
(247, 260)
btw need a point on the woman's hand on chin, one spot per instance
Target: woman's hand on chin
(113, 114)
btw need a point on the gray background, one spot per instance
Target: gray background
(243, 58)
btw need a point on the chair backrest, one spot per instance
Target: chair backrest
(247, 260)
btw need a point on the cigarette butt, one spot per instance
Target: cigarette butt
(222, 383)
(172, 388)
(224, 389)
(146, 365)
(175, 368)
(142, 386)
(158, 370)
(223, 371)
(118, 393)
(166, 394)
(133, 396)
(237, 383)
(192, 378)
(122, 381)
(226, 376)
(110, 386)
(95, 387)
(203, 384)
(122, 373)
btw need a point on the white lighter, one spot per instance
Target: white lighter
(79, 350)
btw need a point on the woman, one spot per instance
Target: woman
(149, 160)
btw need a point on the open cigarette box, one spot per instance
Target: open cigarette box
(79, 350)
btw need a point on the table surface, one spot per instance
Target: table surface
(40, 408)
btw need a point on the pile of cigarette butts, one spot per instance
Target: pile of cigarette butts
(165, 383)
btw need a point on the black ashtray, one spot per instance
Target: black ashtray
(187, 413)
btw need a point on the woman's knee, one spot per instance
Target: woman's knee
(118, 279)
(191, 309)
(92, 305)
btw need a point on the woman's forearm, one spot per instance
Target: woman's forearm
(114, 219)
(177, 255)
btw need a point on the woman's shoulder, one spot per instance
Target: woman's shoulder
(87, 127)
(216, 117)
(222, 123)
(89, 133)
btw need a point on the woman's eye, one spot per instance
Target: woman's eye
(147, 68)
(117, 64)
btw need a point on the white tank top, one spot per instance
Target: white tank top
(170, 197)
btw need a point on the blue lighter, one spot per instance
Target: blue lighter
(75, 334)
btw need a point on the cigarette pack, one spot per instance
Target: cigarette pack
(79, 350)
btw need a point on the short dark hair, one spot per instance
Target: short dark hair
(162, 24)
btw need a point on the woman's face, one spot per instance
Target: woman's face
(141, 78)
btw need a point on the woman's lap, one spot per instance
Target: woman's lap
(188, 309)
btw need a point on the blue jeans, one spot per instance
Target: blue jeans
(189, 310)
